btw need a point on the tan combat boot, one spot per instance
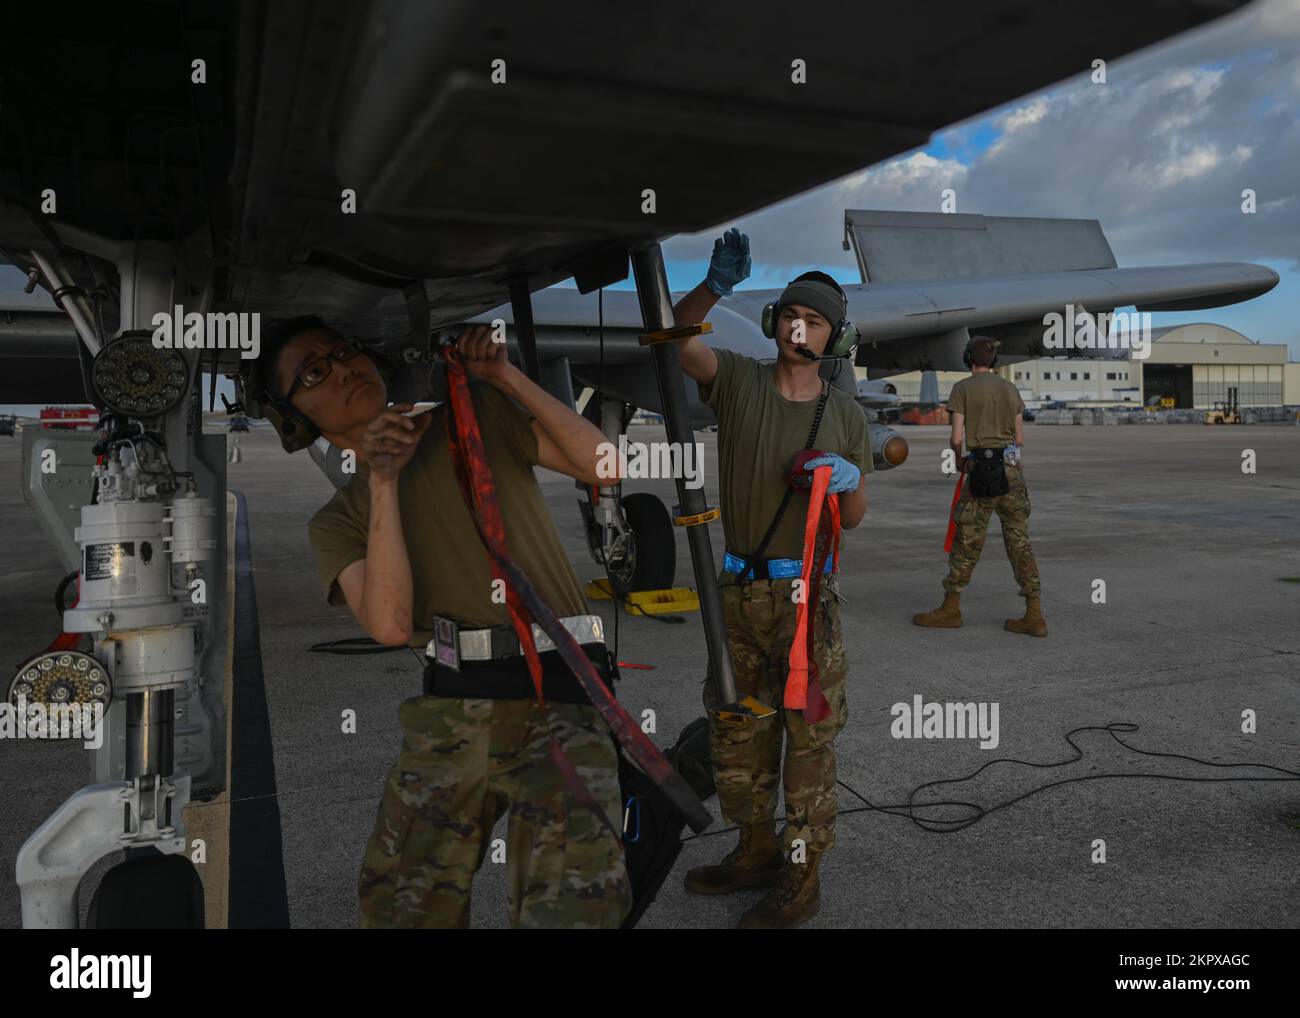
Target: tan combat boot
(792, 902)
(1033, 624)
(946, 616)
(755, 862)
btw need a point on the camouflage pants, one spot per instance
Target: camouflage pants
(760, 620)
(466, 762)
(972, 527)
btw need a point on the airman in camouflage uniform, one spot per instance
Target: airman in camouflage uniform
(466, 763)
(766, 412)
(398, 546)
(973, 516)
(988, 413)
(747, 762)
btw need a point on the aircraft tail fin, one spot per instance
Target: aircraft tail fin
(929, 389)
(902, 246)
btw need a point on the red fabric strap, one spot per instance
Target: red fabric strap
(821, 540)
(525, 607)
(952, 516)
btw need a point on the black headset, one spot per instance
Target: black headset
(965, 354)
(296, 429)
(844, 334)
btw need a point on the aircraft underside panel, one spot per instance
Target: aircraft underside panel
(480, 143)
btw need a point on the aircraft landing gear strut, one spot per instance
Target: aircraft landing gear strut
(657, 313)
(148, 596)
(632, 536)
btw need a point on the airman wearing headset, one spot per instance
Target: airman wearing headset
(765, 413)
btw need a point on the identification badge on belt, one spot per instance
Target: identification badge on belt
(446, 642)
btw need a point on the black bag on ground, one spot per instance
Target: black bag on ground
(988, 478)
(652, 838)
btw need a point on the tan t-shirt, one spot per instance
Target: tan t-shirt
(990, 404)
(449, 566)
(759, 434)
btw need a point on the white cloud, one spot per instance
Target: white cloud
(1199, 81)
(1186, 165)
(1022, 116)
(916, 177)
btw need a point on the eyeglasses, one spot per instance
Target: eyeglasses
(316, 371)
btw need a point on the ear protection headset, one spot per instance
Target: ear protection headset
(844, 334)
(296, 429)
(965, 354)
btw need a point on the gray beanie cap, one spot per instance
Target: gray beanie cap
(821, 297)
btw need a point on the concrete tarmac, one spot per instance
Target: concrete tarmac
(1200, 624)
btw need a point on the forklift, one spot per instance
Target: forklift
(1225, 411)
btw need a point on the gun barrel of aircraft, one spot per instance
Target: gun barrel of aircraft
(888, 448)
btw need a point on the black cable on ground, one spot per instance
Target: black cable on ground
(978, 813)
(355, 645)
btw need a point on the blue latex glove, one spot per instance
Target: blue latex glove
(730, 262)
(844, 475)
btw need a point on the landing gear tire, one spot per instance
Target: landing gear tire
(651, 559)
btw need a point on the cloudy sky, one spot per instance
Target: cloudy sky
(1159, 154)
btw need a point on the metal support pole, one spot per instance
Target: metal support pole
(521, 305)
(73, 302)
(657, 312)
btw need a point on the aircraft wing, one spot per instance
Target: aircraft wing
(878, 394)
(905, 326)
(929, 279)
(999, 275)
(924, 324)
(364, 160)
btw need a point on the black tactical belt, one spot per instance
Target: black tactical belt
(508, 678)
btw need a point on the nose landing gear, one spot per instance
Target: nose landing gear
(633, 538)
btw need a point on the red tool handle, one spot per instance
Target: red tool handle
(952, 516)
